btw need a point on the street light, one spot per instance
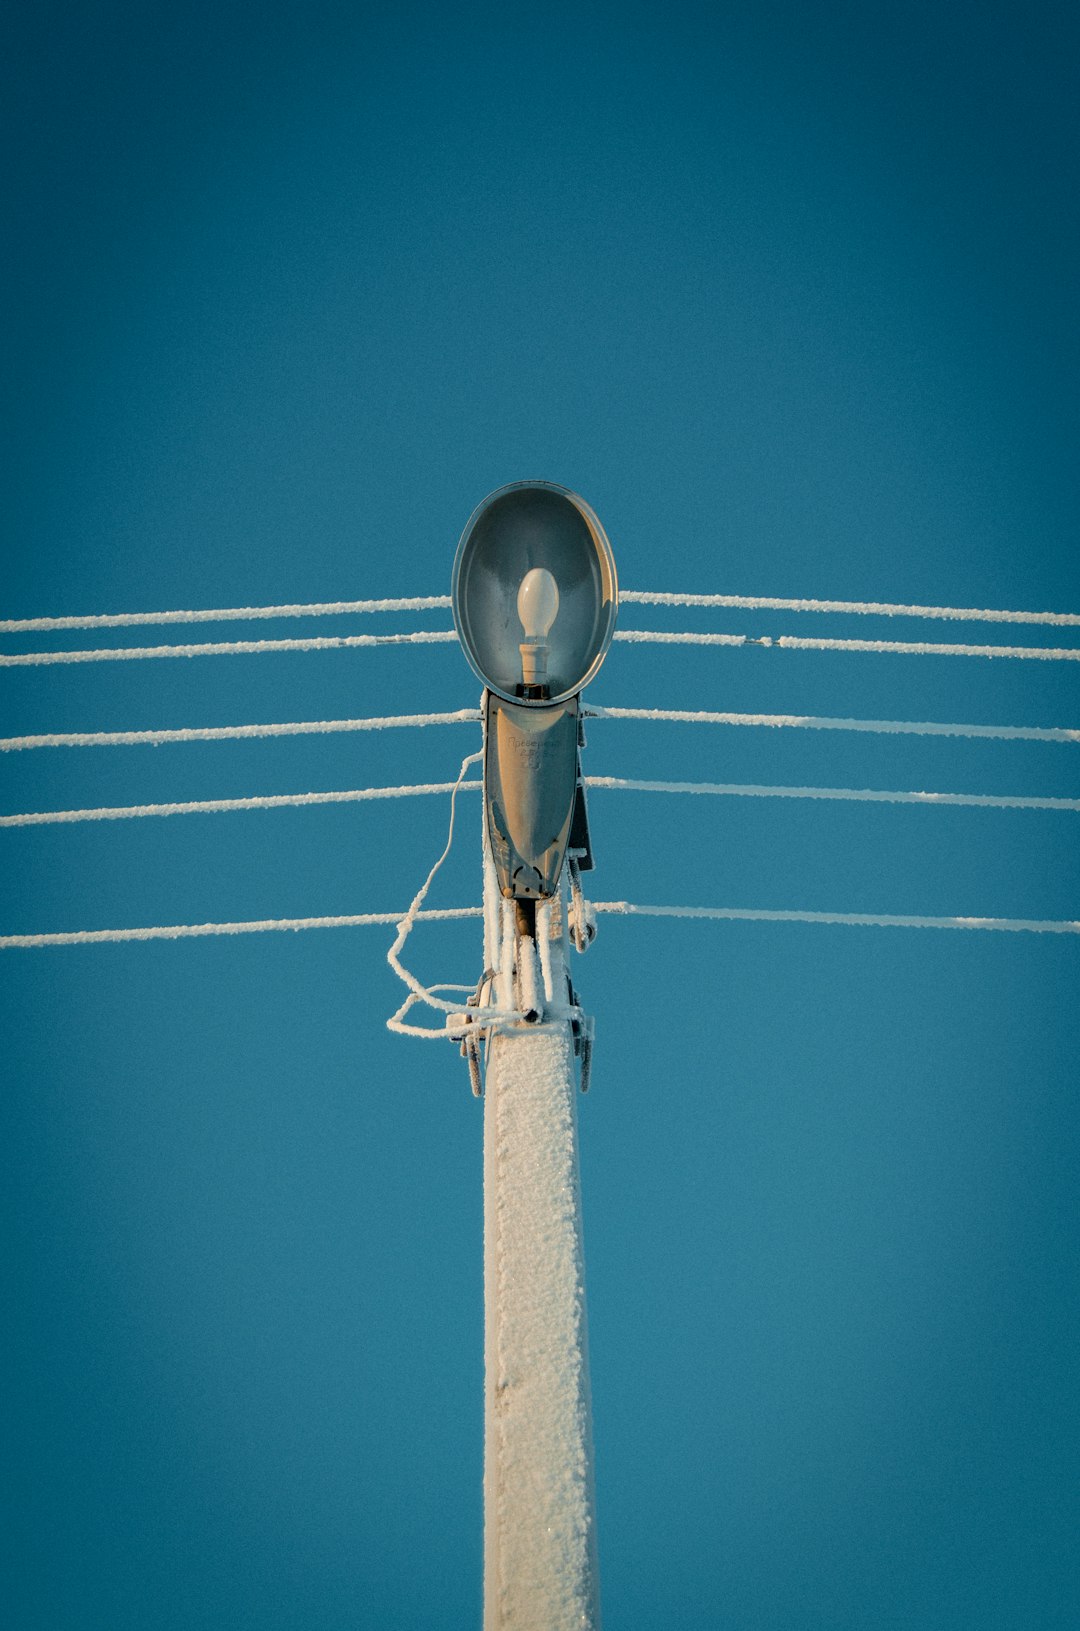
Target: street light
(534, 560)
(535, 599)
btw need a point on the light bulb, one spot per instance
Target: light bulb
(538, 603)
(537, 609)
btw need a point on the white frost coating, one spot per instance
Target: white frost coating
(546, 927)
(991, 801)
(187, 931)
(620, 908)
(657, 637)
(812, 722)
(426, 994)
(643, 597)
(540, 1570)
(530, 984)
(492, 1017)
(267, 801)
(229, 614)
(469, 716)
(504, 983)
(904, 648)
(493, 924)
(928, 648)
(227, 648)
(279, 801)
(232, 733)
(865, 608)
(873, 920)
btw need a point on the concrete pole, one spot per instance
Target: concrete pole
(540, 1563)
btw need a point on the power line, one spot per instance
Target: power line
(186, 931)
(272, 801)
(857, 794)
(864, 608)
(622, 908)
(619, 908)
(886, 727)
(642, 597)
(786, 642)
(230, 614)
(790, 642)
(227, 648)
(232, 733)
(462, 716)
(926, 648)
(278, 801)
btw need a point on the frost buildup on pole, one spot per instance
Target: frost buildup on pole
(535, 598)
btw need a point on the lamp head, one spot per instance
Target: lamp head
(534, 559)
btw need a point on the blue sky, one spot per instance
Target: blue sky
(789, 296)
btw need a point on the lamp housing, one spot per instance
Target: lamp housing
(519, 534)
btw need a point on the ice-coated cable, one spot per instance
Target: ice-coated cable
(269, 801)
(785, 642)
(187, 931)
(493, 925)
(428, 994)
(641, 597)
(469, 716)
(878, 920)
(229, 614)
(622, 908)
(903, 648)
(418, 992)
(227, 648)
(278, 801)
(812, 722)
(862, 608)
(993, 801)
(234, 733)
(544, 923)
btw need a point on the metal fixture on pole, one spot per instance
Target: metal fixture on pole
(535, 598)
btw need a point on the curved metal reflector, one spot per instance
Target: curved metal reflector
(525, 525)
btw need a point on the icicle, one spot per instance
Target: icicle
(544, 930)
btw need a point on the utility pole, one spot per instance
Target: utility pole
(540, 1559)
(534, 561)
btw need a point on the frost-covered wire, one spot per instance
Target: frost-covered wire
(428, 995)
(227, 648)
(856, 794)
(470, 716)
(616, 908)
(229, 614)
(186, 931)
(642, 597)
(420, 992)
(880, 920)
(928, 648)
(499, 941)
(271, 801)
(233, 733)
(905, 648)
(278, 801)
(811, 722)
(786, 642)
(499, 946)
(426, 637)
(863, 608)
